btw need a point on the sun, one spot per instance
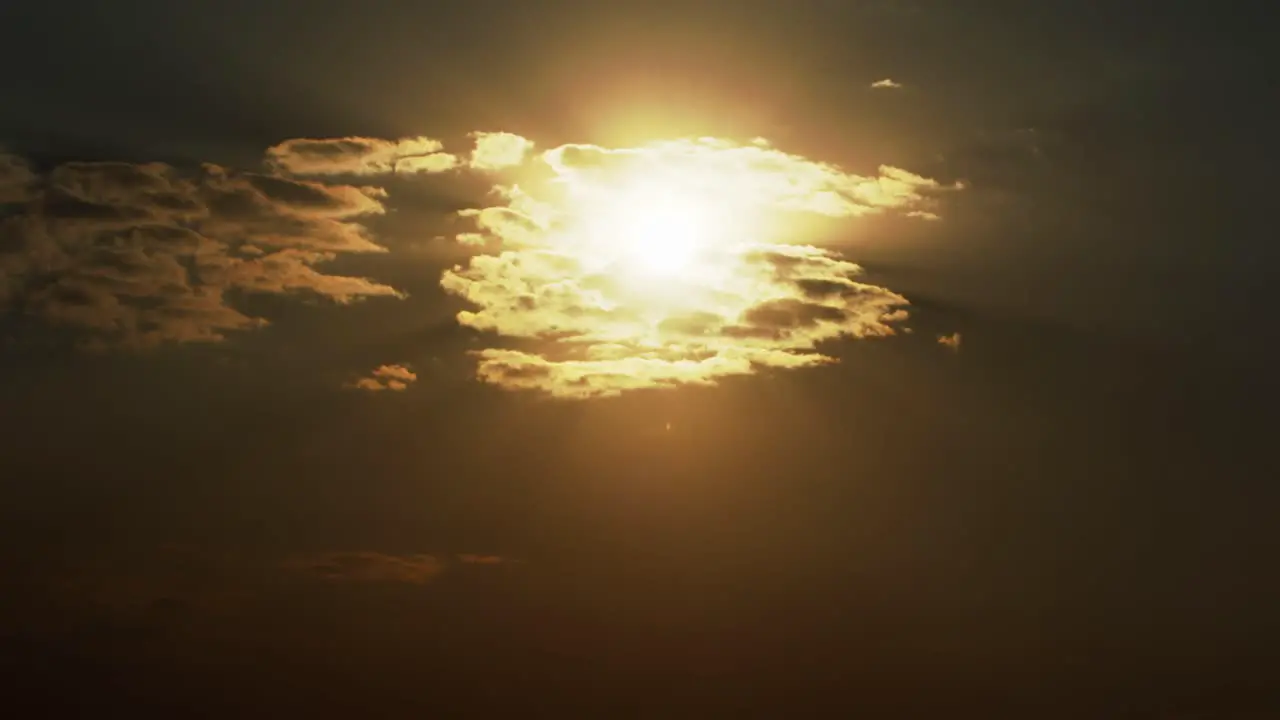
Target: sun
(654, 227)
(661, 232)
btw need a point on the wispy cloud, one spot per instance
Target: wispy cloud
(368, 567)
(387, 377)
(359, 156)
(376, 567)
(142, 254)
(886, 84)
(473, 559)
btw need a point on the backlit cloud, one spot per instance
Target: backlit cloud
(387, 377)
(678, 262)
(359, 156)
(498, 150)
(598, 270)
(141, 254)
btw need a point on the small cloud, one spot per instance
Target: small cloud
(924, 215)
(359, 156)
(952, 341)
(498, 150)
(368, 567)
(886, 84)
(387, 377)
(428, 164)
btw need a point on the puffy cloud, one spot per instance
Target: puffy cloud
(359, 156)
(951, 342)
(386, 377)
(369, 567)
(498, 150)
(886, 84)
(141, 254)
(677, 262)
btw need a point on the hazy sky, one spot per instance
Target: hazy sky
(340, 371)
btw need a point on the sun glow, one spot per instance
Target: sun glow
(653, 223)
(660, 231)
(676, 262)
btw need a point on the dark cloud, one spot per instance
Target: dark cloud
(16, 178)
(143, 254)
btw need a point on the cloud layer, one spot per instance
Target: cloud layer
(597, 270)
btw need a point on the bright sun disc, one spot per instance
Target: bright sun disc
(663, 234)
(653, 229)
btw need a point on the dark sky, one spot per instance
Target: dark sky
(1073, 511)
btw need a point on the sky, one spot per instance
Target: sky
(753, 358)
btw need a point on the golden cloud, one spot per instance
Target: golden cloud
(677, 262)
(498, 150)
(141, 254)
(952, 341)
(359, 156)
(387, 377)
